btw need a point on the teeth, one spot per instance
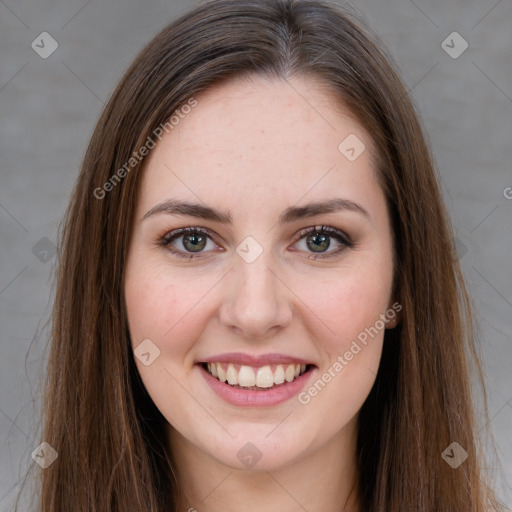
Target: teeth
(263, 377)
(246, 376)
(232, 375)
(221, 374)
(279, 374)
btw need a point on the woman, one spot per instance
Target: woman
(258, 306)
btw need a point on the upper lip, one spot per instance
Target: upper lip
(255, 361)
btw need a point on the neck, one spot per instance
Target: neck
(324, 480)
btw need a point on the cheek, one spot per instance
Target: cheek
(163, 307)
(347, 303)
(166, 309)
(350, 337)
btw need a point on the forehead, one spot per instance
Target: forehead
(258, 136)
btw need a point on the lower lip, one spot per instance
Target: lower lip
(252, 398)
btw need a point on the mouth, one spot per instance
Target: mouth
(250, 378)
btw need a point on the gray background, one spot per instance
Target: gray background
(48, 108)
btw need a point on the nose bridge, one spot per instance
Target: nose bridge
(258, 301)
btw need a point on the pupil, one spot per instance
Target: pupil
(322, 244)
(197, 241)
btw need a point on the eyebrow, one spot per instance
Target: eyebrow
(291, 214)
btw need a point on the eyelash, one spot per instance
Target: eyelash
(339, 236)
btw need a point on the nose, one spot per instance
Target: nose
(256, 303)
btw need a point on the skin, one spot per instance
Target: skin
(253, 148)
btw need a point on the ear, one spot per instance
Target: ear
(393, 314)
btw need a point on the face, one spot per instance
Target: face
(262, 284)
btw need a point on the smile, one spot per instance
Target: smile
(255, 378)
(248, 380)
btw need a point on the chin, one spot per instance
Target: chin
(254, 449)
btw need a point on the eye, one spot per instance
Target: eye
(318, 240)
(195, 241)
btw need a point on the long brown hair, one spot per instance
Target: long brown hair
(107, 432)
